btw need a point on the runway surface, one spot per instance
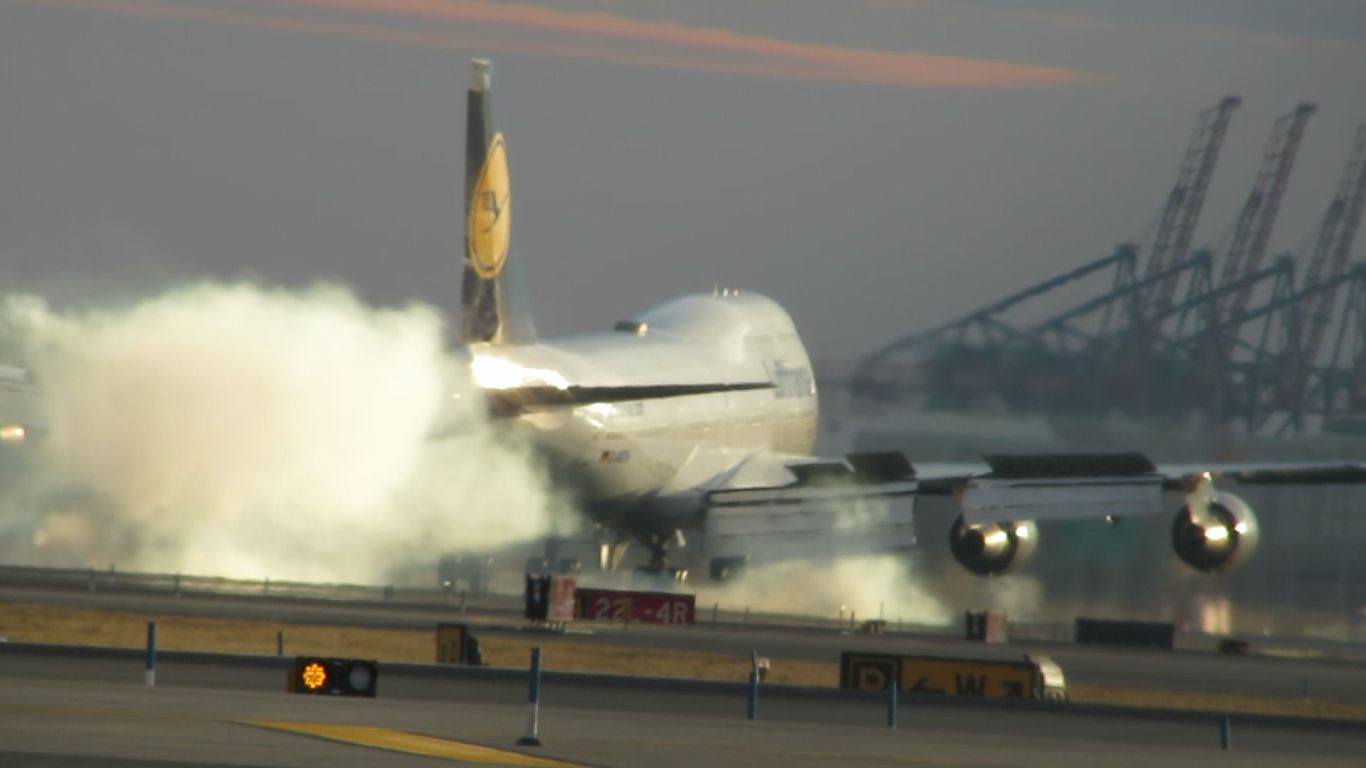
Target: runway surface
(1186, 671)
(83, 709)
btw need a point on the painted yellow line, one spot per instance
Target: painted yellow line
(412, 743)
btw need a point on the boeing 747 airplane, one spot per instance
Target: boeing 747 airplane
(689, 428)
(694, 421)
(691, 424)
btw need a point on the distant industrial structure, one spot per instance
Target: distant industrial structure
(1232, 339)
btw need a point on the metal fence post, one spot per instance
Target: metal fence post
(752, 702)
(149, 676)
(531, 737)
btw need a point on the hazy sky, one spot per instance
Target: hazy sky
(878, 166)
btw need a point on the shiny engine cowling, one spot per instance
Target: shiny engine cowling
(987, 549)
(1225, 542)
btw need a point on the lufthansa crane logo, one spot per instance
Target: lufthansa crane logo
(489, 224)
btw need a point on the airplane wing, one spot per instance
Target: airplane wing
(514, 401)
(1071, 486)
(864, 504)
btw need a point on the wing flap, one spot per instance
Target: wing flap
(1061, 487)
(800, 521)
(994, 500)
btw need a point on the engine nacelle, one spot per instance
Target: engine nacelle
(1225, 542)
(987, 549)
(14, 433)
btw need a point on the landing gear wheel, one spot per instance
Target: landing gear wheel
(724, 569)
(662, 575)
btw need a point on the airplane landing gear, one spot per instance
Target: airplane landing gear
(658, 569)
(662, 575)
(723, 569)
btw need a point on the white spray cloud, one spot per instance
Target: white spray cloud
(868, 587)
(243, 431)
(1019, 596)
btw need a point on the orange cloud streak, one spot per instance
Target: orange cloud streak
(880, 66)
(699, 49)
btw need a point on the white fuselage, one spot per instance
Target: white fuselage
(646, 463)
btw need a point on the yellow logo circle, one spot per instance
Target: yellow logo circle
(489, 227)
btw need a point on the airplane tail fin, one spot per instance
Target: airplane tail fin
(494, 306)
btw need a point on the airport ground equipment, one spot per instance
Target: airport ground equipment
(333, 676)
(986, 626)
(1034, 677)
(455, 644)
(550, 599)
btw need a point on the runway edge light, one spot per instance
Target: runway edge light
(334, 677)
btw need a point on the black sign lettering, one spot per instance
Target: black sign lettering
(970, 685)
(922, 685)
(872, 679)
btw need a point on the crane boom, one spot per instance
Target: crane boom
(1182, 211)
(1328, 260)
(1255, 221)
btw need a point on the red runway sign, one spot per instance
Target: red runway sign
(627, 606)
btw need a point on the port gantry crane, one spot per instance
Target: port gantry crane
(1068, 358)
(1133, 346)
(1130, 370)
(1207, 353)
(1327, 266)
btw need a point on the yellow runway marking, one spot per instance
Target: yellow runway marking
(412, 743)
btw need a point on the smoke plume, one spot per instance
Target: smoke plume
(242, 431)
(870, 587)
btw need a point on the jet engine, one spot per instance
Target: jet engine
(987, 549)
(1222, 542)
